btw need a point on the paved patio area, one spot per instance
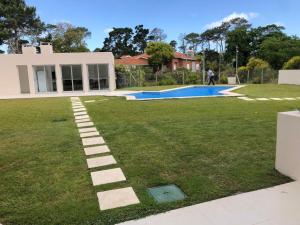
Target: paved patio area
(277, 205)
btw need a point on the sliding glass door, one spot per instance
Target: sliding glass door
(98, 76)
(45, 78)
(72, 77)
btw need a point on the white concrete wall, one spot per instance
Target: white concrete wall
(289, 77)
(288, 144)
(9, 77)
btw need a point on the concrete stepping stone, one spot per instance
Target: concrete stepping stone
(102, 100)
(75, 98)
(276, 99)
(82, 117)
(79, 109)
(88, 101)
(117, 198)
(85, 124)
(77, 104)
(89, 134)
(246, 98)
(89, 129)
(92, 141)
(290, 99)
(82, 120)
(107, 176)
(96, 150)
(262, 99)
(298, 97)
(80, 113)
(101, 161)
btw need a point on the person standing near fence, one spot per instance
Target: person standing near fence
(210, 76)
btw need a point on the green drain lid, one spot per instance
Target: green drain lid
(166, 193)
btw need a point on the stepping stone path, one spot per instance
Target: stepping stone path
(117, 198)
(95, 146)
(107, 176)
(267, 99)
(262, 99)
(90, 101)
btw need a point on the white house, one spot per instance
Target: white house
(37, 73)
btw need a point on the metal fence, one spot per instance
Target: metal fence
(144, 76)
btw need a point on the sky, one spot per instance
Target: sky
(175, 17)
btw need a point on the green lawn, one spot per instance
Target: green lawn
(209, 147)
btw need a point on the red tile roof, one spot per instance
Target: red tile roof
(131, 61)
(142, 59)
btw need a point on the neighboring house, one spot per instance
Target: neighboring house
(179, 60)
(38, 72)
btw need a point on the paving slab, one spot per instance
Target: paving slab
(82, 120)
(92, 141)
(262, 99)
(82, 117)
(89, 134)
(276, 99)
(96, 150)
(117, 198)
(77, 104)
(79, 109)
(107, 176)
(88, 101)
(85, 124)
(289, 99)
(278, 205)
(88, 129)
(101, 161)
(80, 113)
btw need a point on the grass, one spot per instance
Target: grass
(270, 90)
(209, 147)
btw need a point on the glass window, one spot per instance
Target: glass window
(72, 77)
(77, 77)
(98, 76)
(93, 77)
(103, 71)
(45, 78)
(67, 78)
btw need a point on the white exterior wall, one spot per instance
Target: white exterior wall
(9, 76)
(289, 77)
(288, 144)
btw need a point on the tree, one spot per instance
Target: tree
(120, 42)
(160, 54)
(238, 39)
(261, 33)
(66, 38)
(18, 22)
(278, 50)
(140, 38)
(183, 44)
(292, 64)
(193, 40)
(157, 35)
(173, 43)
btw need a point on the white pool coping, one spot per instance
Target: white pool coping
(225, 93)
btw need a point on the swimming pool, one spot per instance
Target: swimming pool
(185, 92)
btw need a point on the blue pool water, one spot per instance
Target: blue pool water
(188, 92)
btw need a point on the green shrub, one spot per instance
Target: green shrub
(167, 79)
(223, 79)
(192, 78)
(293, 63)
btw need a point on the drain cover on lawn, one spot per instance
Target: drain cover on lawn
(167, 193)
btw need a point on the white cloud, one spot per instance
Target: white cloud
(107, 30)
(247, 16)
